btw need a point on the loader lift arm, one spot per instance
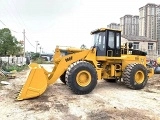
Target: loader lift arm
(63, 62)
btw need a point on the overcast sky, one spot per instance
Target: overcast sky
(63, 22)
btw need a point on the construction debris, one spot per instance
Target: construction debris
(5, 83)
(9, 75)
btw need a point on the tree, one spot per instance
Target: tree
(9, 44)
(83, 46)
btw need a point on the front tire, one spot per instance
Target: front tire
(81, 77)
(135, 76)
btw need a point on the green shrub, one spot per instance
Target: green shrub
(9, 68)
(41, 61)
(35, 56)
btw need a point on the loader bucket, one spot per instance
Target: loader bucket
(36, 83)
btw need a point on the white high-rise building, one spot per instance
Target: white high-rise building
(147, 21)
(158, 28)
(114, 26)
(129, 25)
(135, 25)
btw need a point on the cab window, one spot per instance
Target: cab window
(117, 40)
(111, 40)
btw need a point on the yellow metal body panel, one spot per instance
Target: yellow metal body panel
(114, 66)
(91, 57)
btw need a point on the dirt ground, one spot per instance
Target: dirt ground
(108, 101)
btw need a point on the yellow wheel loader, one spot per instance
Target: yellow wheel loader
(81, 68)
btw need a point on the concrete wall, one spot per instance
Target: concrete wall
(14, 60)
(143, 45)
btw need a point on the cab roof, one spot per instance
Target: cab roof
(102, 30)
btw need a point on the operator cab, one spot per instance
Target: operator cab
(107, 42)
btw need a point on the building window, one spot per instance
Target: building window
(135, 45)
(150, 46)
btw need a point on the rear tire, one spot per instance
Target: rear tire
(81, 77)
(135, 76)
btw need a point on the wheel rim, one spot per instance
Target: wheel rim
(139, 77)
(83, 78)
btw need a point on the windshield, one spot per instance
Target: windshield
(99, 40)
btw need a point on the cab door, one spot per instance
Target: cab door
(113, 43)
(101, 44)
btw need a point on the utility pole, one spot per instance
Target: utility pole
(23, 45)
(40, 49)
(36, 45)
(24, 42)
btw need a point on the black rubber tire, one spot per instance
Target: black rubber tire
(110, 80)
(129, 76)
(62, 78)
(72, 72)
